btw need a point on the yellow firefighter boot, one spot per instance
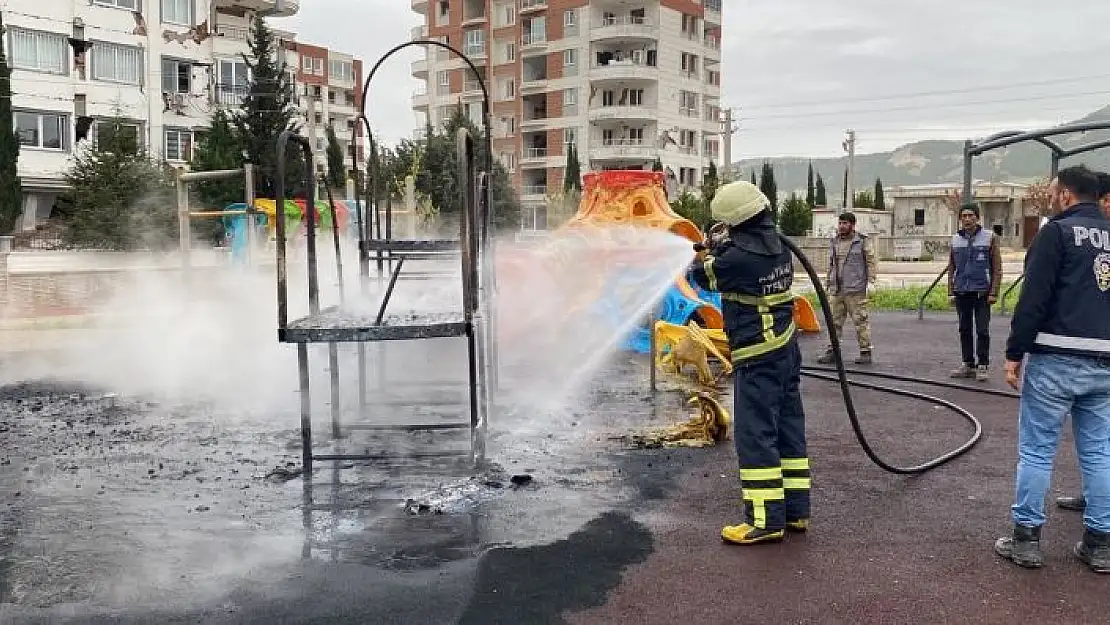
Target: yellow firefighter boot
(744, 534)
(801, 525)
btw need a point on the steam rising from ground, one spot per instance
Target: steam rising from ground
(562, 307)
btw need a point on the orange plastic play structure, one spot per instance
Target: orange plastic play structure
(638, 198)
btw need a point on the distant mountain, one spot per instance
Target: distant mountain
(928, 162)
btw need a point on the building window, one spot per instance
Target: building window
(510, 52)
(919, 216)
(130, 130)
(570, 62)
(37, 51)
(47, 131)
(306, 64)
(177, 12)
(570, 23)
(341, 70)
(115, 63)
(179, 144)
(570, 102)
(177, 76)
(130, 5)
(570, 136)
(234, 82)
(475, 42)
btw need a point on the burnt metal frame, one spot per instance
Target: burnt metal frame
(1007, 138)
(477, 275)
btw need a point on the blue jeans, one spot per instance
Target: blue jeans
(1052, 386)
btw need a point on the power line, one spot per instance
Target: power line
(937, 92)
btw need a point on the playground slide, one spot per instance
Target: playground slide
(637, 198)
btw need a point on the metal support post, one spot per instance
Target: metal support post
(184, 234)
(248, 182)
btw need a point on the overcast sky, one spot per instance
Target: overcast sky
(799, 72)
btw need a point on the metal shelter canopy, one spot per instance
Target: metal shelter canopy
(1010, 137)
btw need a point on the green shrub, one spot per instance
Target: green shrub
(907, 298)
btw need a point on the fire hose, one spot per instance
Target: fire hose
(823, 373)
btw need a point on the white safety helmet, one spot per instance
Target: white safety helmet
(737, 202)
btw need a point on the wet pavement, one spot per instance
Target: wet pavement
(126, 509)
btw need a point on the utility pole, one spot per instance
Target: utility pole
(849, 190)
(726, 133)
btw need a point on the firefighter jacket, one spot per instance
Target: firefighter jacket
(1065, 300)
(753, 271)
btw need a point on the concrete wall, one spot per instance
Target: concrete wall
(869, 222)
(931, 248)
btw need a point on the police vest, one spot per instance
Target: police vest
(757, 304)
(972, 257)
(1079, 315)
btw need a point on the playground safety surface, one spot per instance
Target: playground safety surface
(118, 510)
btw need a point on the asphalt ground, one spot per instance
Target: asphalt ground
(177, 521)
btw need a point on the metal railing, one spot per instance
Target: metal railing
(1006, 293)
(925, 295)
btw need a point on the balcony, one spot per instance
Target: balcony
(624, 28)
(713, 11)
(420, 99)
(534, 157)
(420, 68)
(231, 95)
(475, 52)
(624, 70)
(527, 6)
(623, 150)
(268, 8)
(533, 193)
(533, 42)
(642, 112)
(420, 6)
(233, 33)
(418, 33)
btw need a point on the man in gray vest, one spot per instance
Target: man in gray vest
(850, 280)
(974, 277)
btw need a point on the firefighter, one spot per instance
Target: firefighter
(745, 260)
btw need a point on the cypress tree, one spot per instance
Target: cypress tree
(811, 195)
(11, 195)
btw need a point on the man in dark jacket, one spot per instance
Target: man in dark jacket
(752, 269)
(1077, 503)
(1060, 327)
(974, 277)
(850, 281)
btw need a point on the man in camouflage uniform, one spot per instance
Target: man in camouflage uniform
(849, 283)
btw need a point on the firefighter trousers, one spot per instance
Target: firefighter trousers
(771, 439)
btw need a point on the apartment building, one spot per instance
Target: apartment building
(164, 65)
(626, 81)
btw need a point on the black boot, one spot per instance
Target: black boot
(1023, 548)
(1077, 504)
(1094, 550)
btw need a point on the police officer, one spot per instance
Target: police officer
(1077, 503)
(1059, 324)
(748, 264)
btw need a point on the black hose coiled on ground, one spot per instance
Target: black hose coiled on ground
(845, 383)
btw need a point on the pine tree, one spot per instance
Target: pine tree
(753, 177)
(337, 170)
(797, 217)
(811, 193)
(122, 199)
(710, 183)
(820, 198)
(572, 175)
(880, 201)
(267, 111)
(11, 195)
(219, 148)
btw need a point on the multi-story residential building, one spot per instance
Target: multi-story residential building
(164, 65)
(626, 81)
(329, 85)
